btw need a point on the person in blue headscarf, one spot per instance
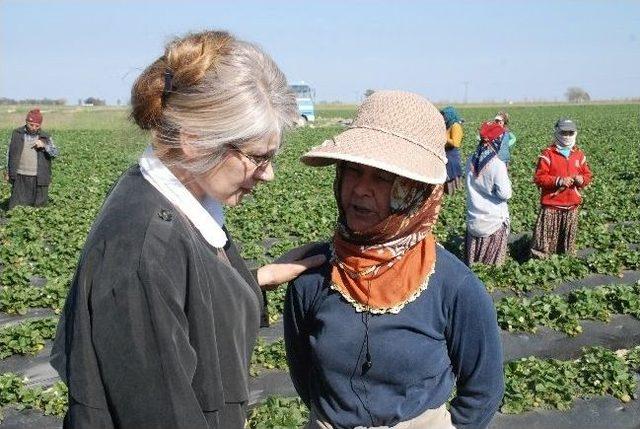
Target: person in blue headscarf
(453, 122)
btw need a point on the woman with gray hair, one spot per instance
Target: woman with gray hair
(162, 315)
(379, 336)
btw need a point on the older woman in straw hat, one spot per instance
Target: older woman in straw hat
(381, 334)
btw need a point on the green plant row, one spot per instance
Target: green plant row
(18, 299)
(529, 383)
(564, 312)
(278, 412)
(531, 275)
(268, 356)
(27, 337)
(549, 383)
(14, 392)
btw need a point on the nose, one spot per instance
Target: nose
(363, 186)
(265, 174)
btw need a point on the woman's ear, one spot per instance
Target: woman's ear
(187, 141)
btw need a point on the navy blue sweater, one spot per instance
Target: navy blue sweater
(448, 336)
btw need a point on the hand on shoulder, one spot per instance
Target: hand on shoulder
(290, 265)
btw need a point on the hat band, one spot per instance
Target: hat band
(382, 130)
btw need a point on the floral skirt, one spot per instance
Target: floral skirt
(555, 232)
(490, 250)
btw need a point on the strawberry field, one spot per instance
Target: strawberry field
(570, 325)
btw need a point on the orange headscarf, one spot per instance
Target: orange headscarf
(382, 269)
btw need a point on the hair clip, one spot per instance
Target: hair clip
(168, 85)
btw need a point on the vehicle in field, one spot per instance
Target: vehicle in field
(305, 96)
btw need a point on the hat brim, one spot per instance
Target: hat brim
(380, 150)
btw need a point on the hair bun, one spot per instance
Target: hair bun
(188, 59)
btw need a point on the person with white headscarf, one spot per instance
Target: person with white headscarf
(561, 174)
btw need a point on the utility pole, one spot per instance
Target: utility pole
(466, 90)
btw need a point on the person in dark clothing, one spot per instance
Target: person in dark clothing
(162, 315)
(381, 334)
(29, 163)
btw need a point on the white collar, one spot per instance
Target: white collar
(207, 217)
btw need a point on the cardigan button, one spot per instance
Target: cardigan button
(165, 215)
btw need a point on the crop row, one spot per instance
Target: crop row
(268, 356)
(564, 312)
(51, 400)
(28, 337)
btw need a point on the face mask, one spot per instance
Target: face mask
(565, 141)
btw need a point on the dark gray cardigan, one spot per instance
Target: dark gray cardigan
(157, 330)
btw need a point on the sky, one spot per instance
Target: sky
(516, 50)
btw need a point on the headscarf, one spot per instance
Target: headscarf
(488, 147)
(35, 116)
(451, 116)
(383, 268)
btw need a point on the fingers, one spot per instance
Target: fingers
(272, 275)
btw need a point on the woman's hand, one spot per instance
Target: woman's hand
(288, 266)
(578, 180)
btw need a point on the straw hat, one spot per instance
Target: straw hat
(395, 131)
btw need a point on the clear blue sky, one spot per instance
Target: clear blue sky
(505, 50)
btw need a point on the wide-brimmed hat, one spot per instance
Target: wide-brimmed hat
(395, 131)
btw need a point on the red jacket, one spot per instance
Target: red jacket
(553, 166)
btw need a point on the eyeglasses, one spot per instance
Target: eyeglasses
(260, 161)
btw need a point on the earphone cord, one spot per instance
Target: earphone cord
(366, 366)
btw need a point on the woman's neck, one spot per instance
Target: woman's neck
(189, 182)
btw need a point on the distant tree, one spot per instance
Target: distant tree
(94, 101)
(575, 94)
(368, 92)
(35, 101)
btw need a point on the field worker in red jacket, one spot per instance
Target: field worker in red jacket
(561, 175)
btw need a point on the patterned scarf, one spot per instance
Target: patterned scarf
(488, 147)
(383, 268)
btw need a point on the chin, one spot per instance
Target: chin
(358, 226)
(234, 199)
